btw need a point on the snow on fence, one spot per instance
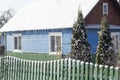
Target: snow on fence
(64, 69)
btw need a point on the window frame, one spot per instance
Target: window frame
(17, 36)
(55, 34)
(105, 12)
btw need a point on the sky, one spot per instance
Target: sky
(16, 5)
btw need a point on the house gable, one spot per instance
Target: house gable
(97, 12)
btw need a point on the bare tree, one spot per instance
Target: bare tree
(5, 16)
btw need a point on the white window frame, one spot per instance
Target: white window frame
(17, 50)
(54, 34)
(114, 34)
(105, 11)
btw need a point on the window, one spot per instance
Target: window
(55, 43)
(105, 8)
(115, 40)
(52, 43)
(17, 42)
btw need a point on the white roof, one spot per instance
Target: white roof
(48, 14)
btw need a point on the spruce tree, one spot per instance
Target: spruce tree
(105, 50)
(80, 46)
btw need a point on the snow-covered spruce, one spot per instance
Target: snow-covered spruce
(105, 51)
(80, 46)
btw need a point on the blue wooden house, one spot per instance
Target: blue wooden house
(45, 26)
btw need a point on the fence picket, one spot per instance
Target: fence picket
(15, 68)
(6, 69)
(111, 73)
(51, 70)
(48, 70)
(96, 75)
(35, 70)
(82, 70)
(26, 70)
(44, 70)
(117, 75)
(29, 67)
(41, 71)
(12, 77)
(106, 72)
(9, 68)
(69, 69)
(73, 70)
(38, 69)
(86, 71)
(91, 71)
(61, 74)
(58, 70)
(23, 70)
(78, 70)
(54, 70)
(65, 69)
(101, 72)
(18, 64)
(32, 72)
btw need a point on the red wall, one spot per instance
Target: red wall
(94, 17)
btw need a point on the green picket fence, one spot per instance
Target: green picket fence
(64, 69)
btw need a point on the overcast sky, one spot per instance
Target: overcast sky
(15, 4)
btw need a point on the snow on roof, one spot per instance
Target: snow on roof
(48, 14)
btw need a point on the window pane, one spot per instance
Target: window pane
(105, 8)
(19, 43)
(15, 42)
(52, 43)
(58, 43)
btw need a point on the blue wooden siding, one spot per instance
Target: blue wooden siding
(35, 42)
(66, 41)
(93, 38)
(38, 40)
(9, 42)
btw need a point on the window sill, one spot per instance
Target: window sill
(20, 51)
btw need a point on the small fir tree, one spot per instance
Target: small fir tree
(80, 47)
(105, 50)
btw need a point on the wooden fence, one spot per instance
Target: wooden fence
(64, 69)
